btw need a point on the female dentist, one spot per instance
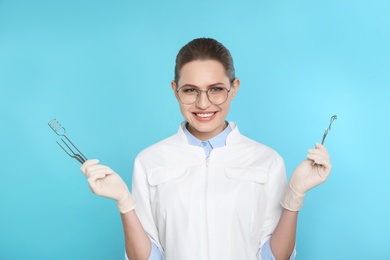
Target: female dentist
(208, 192)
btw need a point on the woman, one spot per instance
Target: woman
(209, 192)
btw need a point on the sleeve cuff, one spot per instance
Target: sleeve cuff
(154, 255)
(266, 252)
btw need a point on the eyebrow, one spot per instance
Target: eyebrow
(209, 86)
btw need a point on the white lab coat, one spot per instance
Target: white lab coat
(222, 207)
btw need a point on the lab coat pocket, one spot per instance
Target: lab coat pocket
(165, 174)
(170, 189)
(246, 182)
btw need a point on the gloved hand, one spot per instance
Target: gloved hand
(306, 176)
(103, 181)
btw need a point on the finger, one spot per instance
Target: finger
(98, 175)
(321, 147)
(307, 162)
(319, 152)
(316, 156)
(88, 163)
(322, 162)
(323, 171)
(95, 176)
(98, 169)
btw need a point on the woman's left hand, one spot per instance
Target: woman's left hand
(308, 174)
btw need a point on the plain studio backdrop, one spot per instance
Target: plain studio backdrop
(103, 70)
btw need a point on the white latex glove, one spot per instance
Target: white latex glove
(104, 182)
(306, 176)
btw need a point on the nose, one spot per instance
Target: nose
(203, 101)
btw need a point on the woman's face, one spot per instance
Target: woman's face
(205, 119)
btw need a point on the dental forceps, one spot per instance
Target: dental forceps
(60, 131)
(334, 117)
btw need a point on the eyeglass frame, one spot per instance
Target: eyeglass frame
(207, 95)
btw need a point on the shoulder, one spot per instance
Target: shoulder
(259, 155)
(159, 147)
(259, 146)
(244, 143)
(262, 153)
(167, 151)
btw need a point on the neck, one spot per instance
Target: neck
(203, 136)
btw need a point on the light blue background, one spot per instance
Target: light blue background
(103, 69)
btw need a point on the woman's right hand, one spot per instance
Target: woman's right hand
(103, 181)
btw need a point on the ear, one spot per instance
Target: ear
(235, 86)
(174, 87)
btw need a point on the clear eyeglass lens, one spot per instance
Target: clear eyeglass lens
(216, 95)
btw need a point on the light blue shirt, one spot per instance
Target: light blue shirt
(208, 145)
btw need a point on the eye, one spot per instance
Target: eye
(216, 89)
(189, 90)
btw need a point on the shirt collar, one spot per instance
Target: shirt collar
(217, 141)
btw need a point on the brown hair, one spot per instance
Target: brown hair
(204, 49)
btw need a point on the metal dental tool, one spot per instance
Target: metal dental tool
(334, 117)
(60, 130)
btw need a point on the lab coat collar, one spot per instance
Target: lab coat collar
(233, 137)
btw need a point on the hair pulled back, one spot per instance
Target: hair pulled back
(204, 49)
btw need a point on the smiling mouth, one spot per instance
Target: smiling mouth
(205, 115)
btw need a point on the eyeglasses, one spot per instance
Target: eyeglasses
(216, 95)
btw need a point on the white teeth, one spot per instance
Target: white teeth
(205, 115)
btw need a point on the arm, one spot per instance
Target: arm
(283, 239)
(103, 181)
(137, 242)
(305, 177)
